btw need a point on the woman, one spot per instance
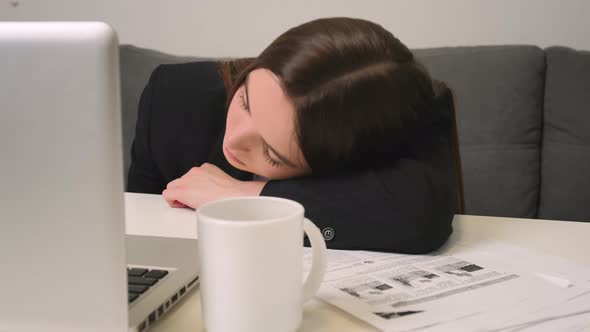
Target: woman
(335, 113)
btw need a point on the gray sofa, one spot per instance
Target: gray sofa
(523, 116)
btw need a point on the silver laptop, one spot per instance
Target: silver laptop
(64, 255)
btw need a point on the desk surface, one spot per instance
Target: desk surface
(149, 215)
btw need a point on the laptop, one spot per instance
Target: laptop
(65, 261)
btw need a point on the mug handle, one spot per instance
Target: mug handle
(318, 264)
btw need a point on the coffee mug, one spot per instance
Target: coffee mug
(251, 260)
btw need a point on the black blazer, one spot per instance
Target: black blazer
(407, 207)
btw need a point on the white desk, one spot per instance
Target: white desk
(149, 215)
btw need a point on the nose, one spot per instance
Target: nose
(243, 135)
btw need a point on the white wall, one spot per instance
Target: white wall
(244, 28)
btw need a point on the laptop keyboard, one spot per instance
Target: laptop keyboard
(140, 280)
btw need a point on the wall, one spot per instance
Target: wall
(244, 28)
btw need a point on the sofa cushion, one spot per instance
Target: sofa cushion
(498, 98)
(565, 172)
(136, 66)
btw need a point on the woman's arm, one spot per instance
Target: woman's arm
(408, 207)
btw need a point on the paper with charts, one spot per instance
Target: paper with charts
(491, 287)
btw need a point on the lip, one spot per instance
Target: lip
(231, 155)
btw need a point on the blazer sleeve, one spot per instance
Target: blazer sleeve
(181, 116)
(144, 176)
(407, 207)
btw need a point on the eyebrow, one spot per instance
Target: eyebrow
(283, 159)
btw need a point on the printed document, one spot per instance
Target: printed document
(470, 289)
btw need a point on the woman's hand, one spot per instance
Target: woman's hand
(207, 183)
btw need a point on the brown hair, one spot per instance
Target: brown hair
(359, 95)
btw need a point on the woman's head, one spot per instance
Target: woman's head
(328, 95)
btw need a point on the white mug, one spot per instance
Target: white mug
(251, 260)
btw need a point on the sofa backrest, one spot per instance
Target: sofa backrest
(499, 96)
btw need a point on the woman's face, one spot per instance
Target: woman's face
(259, 133)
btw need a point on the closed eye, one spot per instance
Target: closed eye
(243, 102)
(269, 159)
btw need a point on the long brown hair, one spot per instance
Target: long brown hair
(359, 95)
